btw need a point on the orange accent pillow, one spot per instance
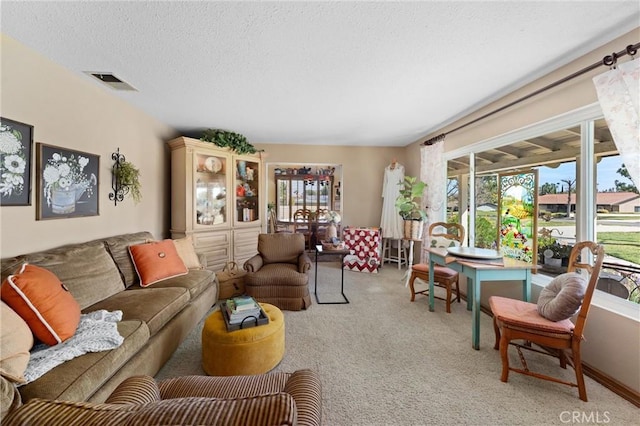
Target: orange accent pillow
(156, 261)
(38, 296)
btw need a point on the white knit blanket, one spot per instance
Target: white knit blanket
(97, 331)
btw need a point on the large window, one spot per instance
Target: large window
(571, 207)
(302, 192)
(301, 187)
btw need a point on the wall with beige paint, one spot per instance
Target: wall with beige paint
(613, 342)
(362, 174)
(69, 110)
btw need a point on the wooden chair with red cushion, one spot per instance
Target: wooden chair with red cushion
(554, 333)
(452, 236)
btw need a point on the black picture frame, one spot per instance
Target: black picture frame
(16, 147)
(68, 183)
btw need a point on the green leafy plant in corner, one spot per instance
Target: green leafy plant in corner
(128, 176)
(408, 202)
(226, 139)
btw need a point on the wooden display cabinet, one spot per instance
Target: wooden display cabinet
(216, 197)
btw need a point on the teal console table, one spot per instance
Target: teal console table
(477, 272)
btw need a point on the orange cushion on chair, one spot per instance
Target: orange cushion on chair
(524, 314)
(421, 267)
(38, 296)
(157, 261)
(440, 271)
(444, 272)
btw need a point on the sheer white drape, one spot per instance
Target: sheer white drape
(433, 172)
(618, 93)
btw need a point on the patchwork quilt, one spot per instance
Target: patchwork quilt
(364, 245)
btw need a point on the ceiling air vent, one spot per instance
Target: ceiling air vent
(111, 80)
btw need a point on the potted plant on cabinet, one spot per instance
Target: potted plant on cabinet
(408, 205)
(226, 139)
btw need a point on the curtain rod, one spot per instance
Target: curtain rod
(609, 61)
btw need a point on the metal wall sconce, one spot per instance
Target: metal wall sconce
(120, 189)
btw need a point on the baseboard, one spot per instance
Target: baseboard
(605, 380)
(612, 384)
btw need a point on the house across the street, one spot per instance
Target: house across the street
(613, 202)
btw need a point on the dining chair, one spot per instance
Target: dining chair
(274, 225)
(302, 219)
(441, 234)
(547, 324)
(319, 227)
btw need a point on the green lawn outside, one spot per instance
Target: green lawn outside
(564, 222)
(555, 222)
(623, 245)
(628, 216)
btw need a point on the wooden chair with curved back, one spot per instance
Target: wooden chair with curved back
(518, 320)
(302, 224)
(319, 226)
(453, 235)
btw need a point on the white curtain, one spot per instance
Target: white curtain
(433, 172)
(618, 93)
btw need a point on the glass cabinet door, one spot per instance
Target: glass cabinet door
(211, 190)
(246, 186)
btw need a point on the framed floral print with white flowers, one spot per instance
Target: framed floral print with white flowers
(16, 145)
(67, 183)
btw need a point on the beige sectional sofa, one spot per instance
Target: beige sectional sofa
(156, 319)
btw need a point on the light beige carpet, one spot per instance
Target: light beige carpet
(386, 361)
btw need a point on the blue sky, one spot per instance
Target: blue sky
(606, 173)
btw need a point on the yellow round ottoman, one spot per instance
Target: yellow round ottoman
(254, 350)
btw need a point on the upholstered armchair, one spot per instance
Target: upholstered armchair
(279, 273)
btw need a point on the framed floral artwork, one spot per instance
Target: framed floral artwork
(16, 145)
(67, 183)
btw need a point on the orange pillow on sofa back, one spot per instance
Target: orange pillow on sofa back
(156, 261)
(38, 296)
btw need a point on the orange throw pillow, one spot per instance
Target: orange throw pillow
(38, 296)
(157, 261)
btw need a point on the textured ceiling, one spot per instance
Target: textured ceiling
(346, 73)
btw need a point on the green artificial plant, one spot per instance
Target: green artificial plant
(128, 176)
(560, 251)
(410, 198)
(227, 139)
